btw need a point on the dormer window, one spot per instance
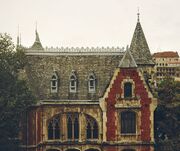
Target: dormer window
(73, 83)
(54, 83)
(92, 84)
(127, 90)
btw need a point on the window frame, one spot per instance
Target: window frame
(128, 92)
(54, 83)
(73, 88)
(92, 78)
(132, 129)
(128, 80)
(73, 117)
(53, 122)
(90, 121)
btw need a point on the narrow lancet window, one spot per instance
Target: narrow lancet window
(92, 84)
(127, 90)
(73, 83)
(54, 83)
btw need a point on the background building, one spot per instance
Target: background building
(167, 64)
(90, 99)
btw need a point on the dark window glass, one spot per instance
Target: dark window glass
(69, 128)
(50, 131)
(91, 128)
(95, 130)
(57, 131)
(76, 128)
(128, 90)
(54, 83)
(54, 129)
(88, 131)
(128, 122)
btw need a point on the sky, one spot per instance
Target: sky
(87, 23)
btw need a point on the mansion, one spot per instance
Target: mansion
(90, 99)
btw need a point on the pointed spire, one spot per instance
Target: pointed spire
(127, 61)
(138, 14)
(139, 47)
(20, 39)
(37, 44)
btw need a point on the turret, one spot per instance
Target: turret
(37, 44)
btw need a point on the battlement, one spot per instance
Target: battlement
(77, 51)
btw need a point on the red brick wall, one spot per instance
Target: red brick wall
(39, 125)
(31, 127)
(145, 102)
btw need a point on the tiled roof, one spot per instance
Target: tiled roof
(139, 47)
(166, 54)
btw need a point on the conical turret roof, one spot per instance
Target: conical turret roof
(127, 61)
(139, 47)
(37, 44)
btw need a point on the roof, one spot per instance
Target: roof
(127, 61)
(37, 44)
(40, 69)
(166, 54)
(139, 47)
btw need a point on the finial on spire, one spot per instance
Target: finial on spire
(20, 39)
(138, 14)
(36, 26)
(18, 42)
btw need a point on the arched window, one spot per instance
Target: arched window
(127, 90)
(91, 128)
(73, 126)
(73, 83)
(128, 122)
(54, 83)
(54, 129)
(92, 83)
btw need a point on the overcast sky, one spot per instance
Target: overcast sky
(85, 23)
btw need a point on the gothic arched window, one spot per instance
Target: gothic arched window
(54, 83)
(54, 129)
(91, 128)
(73, 83)
(73, 126)
(127, 90)
(92, 84)
(128, 122)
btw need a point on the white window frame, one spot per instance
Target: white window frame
(92, 89)
(73, 88)
(54, 88)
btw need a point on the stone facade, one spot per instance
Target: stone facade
(118, 115)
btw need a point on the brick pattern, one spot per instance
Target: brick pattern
(144, 100)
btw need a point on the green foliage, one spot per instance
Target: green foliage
(15, 96)
(168, 91)
(167, 114)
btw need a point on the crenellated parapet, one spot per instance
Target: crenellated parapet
(77, 51)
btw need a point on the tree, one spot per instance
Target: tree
(15, 97)
(167, 114)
